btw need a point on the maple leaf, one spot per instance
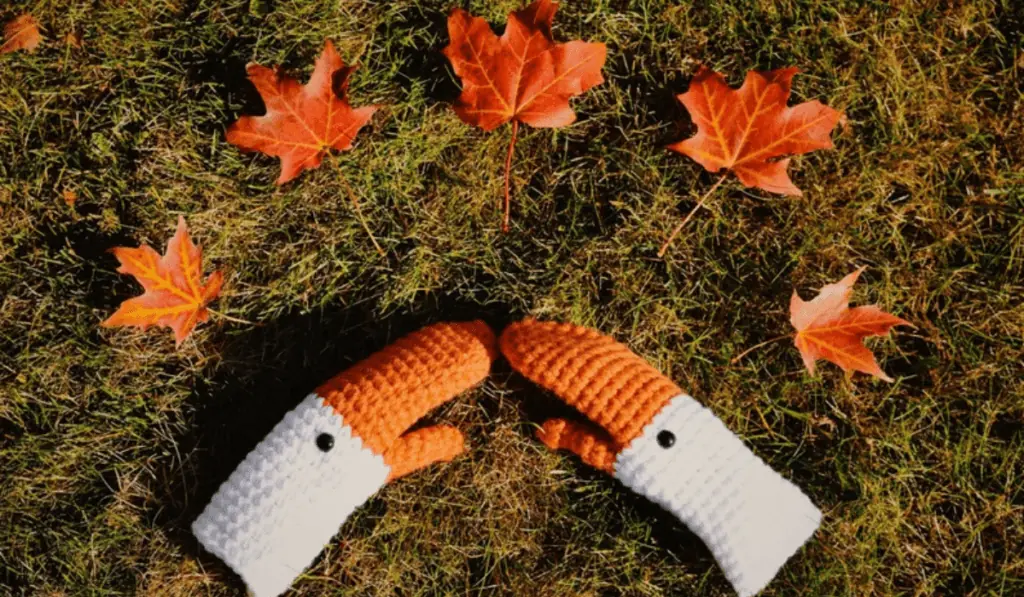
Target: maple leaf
(74, 39)
(744, 130)
(303, 122)
(174, 295)
(21, 33)
(826, 328)
(522, 76)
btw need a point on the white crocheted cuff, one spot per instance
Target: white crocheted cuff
(290, 495)
(750, 517)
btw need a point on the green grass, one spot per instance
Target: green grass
(111, 440)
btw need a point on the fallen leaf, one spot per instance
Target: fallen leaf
(303, 122)
(21, 33)
(826, 328)
(70, 197)
(73, 39)
(174, 295)
(745, 130)
(522, 76)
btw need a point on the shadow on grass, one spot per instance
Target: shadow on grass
(422, 64)
(265, 372)
(226, 70)
(681, 547)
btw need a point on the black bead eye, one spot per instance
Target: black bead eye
(666, 439)
(325, 441)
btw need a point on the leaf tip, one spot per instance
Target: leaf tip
(851, 279)
(213, 287)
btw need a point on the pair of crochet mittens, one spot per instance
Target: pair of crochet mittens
(345, 441)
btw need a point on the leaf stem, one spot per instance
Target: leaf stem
(756, 346)
(675, 232)
(230, 318)
(359, 212)
(508, 172)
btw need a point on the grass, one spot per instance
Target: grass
(111, 440)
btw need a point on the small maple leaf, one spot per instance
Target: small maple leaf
(303, 122)
(21, 33)
(826, 328)
(73, 39)
(745, 129)
(174, 295)
(522, 76)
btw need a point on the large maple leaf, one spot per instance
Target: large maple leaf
(21, 33)
(521, 76)
(175, 297)
(303, 122)
(826, 328)
(745, 130)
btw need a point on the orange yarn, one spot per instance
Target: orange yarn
(416, 449)
(598, 376)
(383, 395)
(592, 445)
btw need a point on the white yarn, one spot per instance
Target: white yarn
(749, 516)
(285, 501)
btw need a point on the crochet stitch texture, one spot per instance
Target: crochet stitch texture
(338, 447)
(662, 444)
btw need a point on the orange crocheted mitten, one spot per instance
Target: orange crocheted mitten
(347, 439)
(658, 441)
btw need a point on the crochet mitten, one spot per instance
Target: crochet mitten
(662, 444)
(291, 494)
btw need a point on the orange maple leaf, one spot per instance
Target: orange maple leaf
(174, 295)
(745, 129)
(522, 76)
(303, 122)
(21, 33)
(826, 328)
